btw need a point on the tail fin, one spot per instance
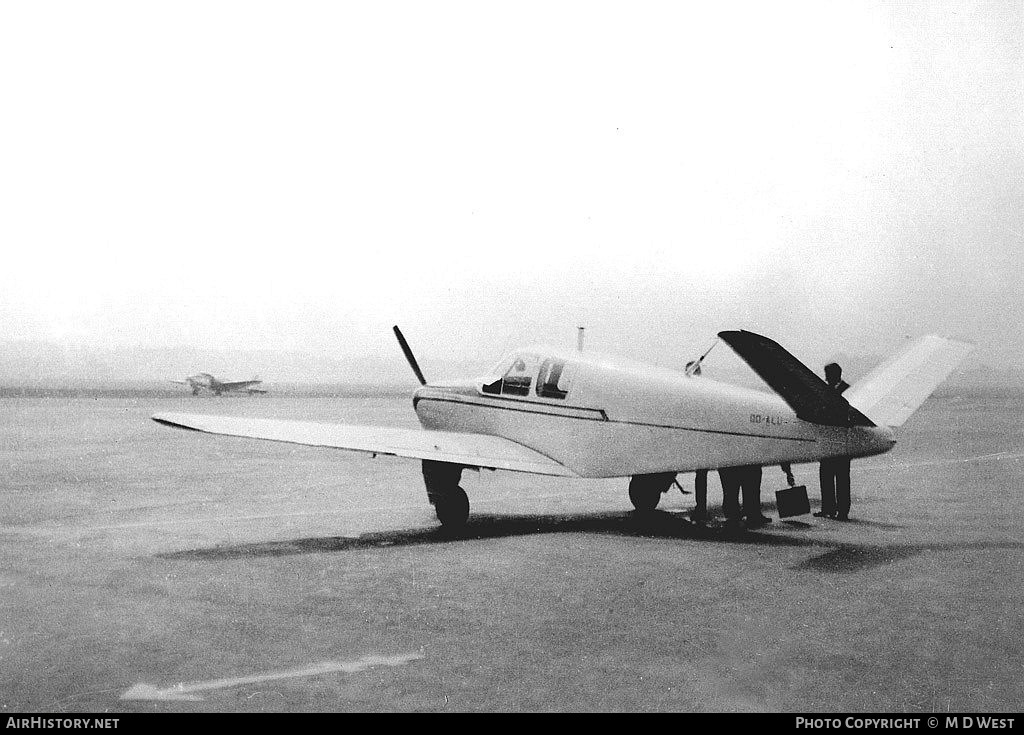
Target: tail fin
(890, 393)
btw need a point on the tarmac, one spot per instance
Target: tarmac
(148, 569)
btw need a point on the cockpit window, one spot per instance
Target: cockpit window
(551, 382)
(517, 379)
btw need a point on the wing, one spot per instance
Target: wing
(471, 450)
(806, 393)
(239, 384)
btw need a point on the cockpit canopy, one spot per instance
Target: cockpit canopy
(530, 374)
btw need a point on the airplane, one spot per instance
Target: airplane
(207, 381)
(587, 415)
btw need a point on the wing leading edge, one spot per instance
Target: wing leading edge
(471, 450)
(806, 393)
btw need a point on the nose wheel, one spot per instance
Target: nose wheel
(451, 504)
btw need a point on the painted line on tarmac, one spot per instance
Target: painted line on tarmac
(997, 456)
(190, 692)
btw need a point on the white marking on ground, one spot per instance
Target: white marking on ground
(998, 456)
(190, 692)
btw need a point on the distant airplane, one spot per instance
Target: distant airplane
(204, 380)
(581, 414)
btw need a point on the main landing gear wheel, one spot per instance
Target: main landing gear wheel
(452, 508)
(645, 490)
(449, 500)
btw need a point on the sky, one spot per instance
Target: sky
(302, 175)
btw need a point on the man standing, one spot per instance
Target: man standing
(834, 473)
(700, 478)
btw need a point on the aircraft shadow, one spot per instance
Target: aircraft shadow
(798, 524)
(846, 558)
(839, 558)
(484, 526)
(873, 524)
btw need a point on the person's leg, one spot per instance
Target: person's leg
(842, 480)
(751, 492)
(700, 495)
(730, 493)
(752, 496)
(826, 480)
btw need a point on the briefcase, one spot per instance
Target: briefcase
(792, 501)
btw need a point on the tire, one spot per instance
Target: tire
(644, 494)
(452, 508)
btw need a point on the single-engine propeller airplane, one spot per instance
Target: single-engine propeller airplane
(582, 414)
(204, 380)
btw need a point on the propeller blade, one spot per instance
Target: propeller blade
(409, 356)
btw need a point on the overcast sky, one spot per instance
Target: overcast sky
(303, 175)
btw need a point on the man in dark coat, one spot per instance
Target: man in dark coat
(834, 473)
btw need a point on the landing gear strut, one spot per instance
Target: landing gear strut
(449, 500)
(645, 490)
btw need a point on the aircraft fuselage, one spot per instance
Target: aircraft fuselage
(603, 417)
